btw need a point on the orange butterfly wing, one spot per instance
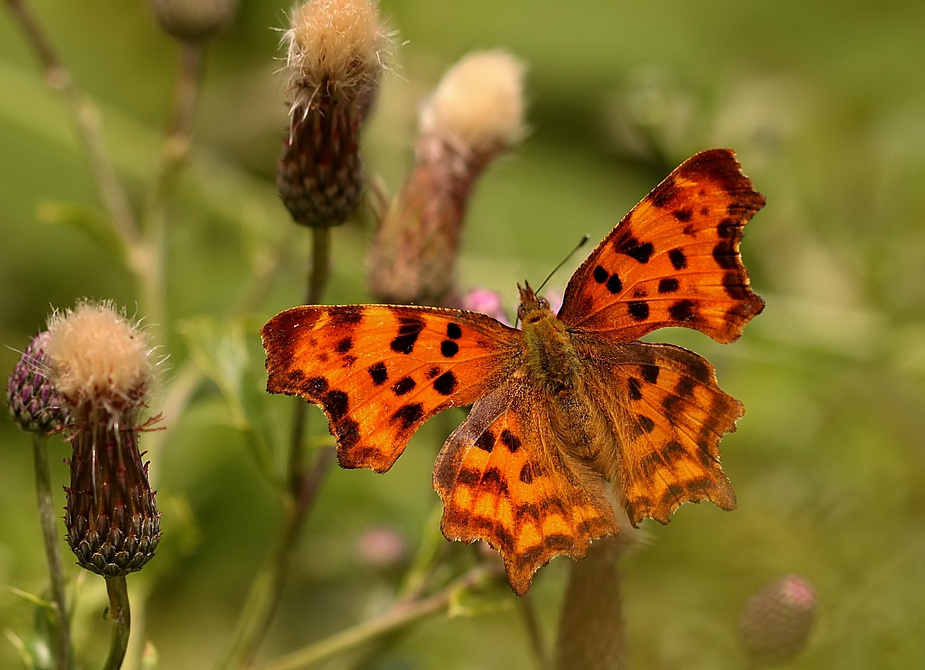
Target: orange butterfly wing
(670, 415)
(674, 259)
(380, 371)
(503, 479)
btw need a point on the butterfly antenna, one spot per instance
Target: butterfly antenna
(581, 243)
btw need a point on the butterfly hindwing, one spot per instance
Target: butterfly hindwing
(504, 480)
(380, 371)
(674, 259)
(672, 415)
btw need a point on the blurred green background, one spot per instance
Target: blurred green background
(824, 104)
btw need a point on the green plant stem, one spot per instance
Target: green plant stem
(87, 121)
(402, 614)
(48, 521)
(303, 486)
(121, 614)
(591, 628)
(175, 154)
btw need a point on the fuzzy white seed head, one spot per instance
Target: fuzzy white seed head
(335, 44)
(98, 356)
(479, 105)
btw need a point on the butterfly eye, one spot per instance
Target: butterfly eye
(543, 303)
(520, 313)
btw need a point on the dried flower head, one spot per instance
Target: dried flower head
(100, 363)
(34, 403)
(335, 48)
(478, 108)
(475, 114)
(777, 620)
(334, 62)
(98, 357)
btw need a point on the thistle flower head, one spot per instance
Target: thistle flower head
(334, 47)
(97, 357)
(474, 115)
(777, 620)
(99, 362)
(33, 402)
(333, 67)
(479, 105)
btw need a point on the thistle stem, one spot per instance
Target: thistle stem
(175, 152)
(48, 521)
(400, 615)
(121, 614)
(591, 627)
(304, 485)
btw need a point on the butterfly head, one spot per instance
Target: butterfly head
(532, 307)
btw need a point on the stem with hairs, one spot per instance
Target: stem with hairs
(48, 520)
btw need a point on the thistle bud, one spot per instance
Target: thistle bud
(475, 114)
(777, 620)
(333, 67)
(34, 403)
(99, 362)
(194, 20)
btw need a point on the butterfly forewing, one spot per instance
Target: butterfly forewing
(380, 371)
(674, 259)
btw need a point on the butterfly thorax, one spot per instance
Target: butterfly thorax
(551, 359)
(556, 364)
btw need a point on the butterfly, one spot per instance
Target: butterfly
(571, 414)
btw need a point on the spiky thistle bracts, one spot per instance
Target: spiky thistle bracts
(33, 401)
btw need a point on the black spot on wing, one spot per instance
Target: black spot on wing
(336, 404)
(509, 440)
(638, 310)
(408, 330)
(449, 348)
(486, 441)
(647, 424)
(445, 384)
(635, 389)
(683, 310)
(453, 331)
(409, 414)
(378, 373)
(684, 214)
(344, 345)
(678, 259)
(403, 386)
(315, 386)
(725, 254)
(639, 251)
(668, 285)
(649, 373)
(345, 316)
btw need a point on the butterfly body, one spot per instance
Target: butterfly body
(571, 415)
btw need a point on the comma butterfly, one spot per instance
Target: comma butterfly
(570, 411)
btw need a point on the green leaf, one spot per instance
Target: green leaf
(220, 351)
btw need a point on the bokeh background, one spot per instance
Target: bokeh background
(824, 104)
